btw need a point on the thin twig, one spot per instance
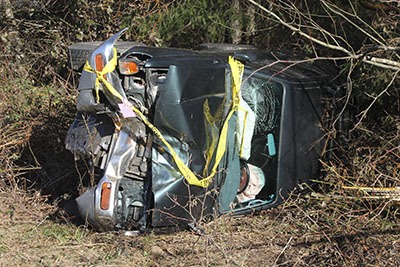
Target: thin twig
(299, 31)
(364, 112)
(283, 250)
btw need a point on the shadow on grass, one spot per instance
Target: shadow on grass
(50, 169)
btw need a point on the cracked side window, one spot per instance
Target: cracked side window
(264, 97)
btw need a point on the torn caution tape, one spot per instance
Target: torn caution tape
(390, 193)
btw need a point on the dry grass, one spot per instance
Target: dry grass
(305, 231)
(328, 226)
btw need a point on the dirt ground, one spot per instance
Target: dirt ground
(325, 227)
(307, 230)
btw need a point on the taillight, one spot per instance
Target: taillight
(105, 196)
(128, 67)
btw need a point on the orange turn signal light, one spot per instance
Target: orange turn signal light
(98, 60)
(105, 196)
(128, 67)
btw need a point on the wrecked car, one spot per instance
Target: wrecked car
(177, 136)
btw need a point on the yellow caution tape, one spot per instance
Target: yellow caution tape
(109, 67)
(372, 189)
(237, 72)
(391, 193)
(212, 131)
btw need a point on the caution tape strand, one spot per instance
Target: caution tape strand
(193, 179)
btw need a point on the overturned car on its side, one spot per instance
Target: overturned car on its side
(175, 136)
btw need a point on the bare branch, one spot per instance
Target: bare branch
(382, 62)
(364, 112)
(345, 15)
(299, 31)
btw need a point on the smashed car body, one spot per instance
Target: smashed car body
(176, 136)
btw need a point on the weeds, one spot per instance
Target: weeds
(329, 226)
